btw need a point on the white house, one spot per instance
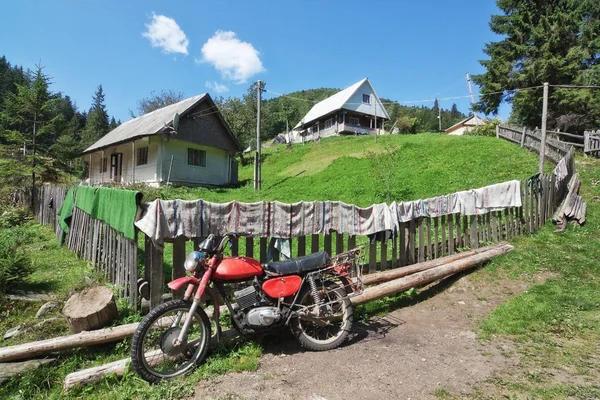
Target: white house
(147, 149)
(465, 125)
(354, 110)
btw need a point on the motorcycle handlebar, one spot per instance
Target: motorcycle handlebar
(229, 236)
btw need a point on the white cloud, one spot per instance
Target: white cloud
(235, 60)
(217, 87)
(164, 32)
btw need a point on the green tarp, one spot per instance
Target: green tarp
(115, 207)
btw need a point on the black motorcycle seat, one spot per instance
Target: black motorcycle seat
(299, 265)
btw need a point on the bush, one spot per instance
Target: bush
(14, 217)
(15, 265)
(488, 129)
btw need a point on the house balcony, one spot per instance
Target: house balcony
(345, 129)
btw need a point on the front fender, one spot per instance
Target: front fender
(181, 282)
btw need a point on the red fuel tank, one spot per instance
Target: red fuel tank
(237, 269)
(282, 286)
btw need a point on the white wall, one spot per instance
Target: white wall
(461, 130)
(216, 171)
(355, 103)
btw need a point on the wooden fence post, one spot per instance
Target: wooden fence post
(178, 270)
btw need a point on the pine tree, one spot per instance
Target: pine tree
(553, 41)
(97, 124)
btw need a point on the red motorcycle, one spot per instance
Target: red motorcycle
(309, 294)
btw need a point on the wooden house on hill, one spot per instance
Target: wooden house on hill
(147, 149)
(465, 125)
(354, 110)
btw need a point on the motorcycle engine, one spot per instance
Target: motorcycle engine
(252, 306)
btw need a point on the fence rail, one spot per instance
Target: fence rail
(591, 143)
(531, 139)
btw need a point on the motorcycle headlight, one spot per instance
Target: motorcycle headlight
(191, 261)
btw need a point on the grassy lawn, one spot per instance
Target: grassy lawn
(346, 169)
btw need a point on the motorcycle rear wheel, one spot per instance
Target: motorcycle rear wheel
(155, 356)
(339, 307)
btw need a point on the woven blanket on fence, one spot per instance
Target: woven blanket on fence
(561, 171)
(168, 219)
(116, 207)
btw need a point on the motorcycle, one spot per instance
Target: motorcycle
(309, 294)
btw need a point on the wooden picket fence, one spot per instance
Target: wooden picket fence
(49, 201)
(591, 143)
(417, 240)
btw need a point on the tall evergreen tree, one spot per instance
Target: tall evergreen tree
(97, 124)
(553, 41)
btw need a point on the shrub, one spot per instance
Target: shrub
(14, 217)
(488, 129)
(15, 265)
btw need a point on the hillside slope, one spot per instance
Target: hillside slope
(346, 169)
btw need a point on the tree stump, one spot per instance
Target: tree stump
(90, 309)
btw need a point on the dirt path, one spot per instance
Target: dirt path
(411, 353)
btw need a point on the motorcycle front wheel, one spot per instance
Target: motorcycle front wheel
(156, 353)
(334, 323)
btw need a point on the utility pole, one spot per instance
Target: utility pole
(439, 116)
(375, 101)
(33, 164)
(257, 166)
(470, 89)
(544, 118)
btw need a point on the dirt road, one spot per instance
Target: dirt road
(416, 352)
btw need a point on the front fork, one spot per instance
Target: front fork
(195, 303)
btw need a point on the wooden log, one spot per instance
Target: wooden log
(96, 374)
(422, 278)
(9, 370)
(386, 276)
(90, 309)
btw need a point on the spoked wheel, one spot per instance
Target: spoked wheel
(156, 353)
(328, 327)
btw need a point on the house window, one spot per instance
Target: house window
(354, 121)
(197, 157)
(367, 98)
(329, 123)
(104, 165)
(315, 128)
(142, 156)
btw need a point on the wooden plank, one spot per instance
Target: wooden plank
(403, 253)
(133, 271)
(327, 243)
(235, 247)
(351, 242)
(154, 272)
(459, 238)
(444, 243)
(314, 243)
(250, 247)
(263, 249)
(383, 256)
(178, 270)
(372, 257)
(474, 240)
(339, 243)
(428, 228)
(395, 251)
(451, 241)
(494, 227)
(301, 246)
(436, 237)
(466, 232)
(506, 225)
(411, 248)
(421, 251)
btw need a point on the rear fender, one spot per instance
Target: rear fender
(181, 282)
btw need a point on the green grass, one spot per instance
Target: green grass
(338, 169)
(555, 325)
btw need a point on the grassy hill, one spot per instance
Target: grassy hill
(348, 168)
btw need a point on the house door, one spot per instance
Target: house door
(116, 166)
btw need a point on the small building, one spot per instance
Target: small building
(356, 110)
(465, 125)
(148, 150)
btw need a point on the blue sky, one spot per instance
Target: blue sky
(410, 50)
